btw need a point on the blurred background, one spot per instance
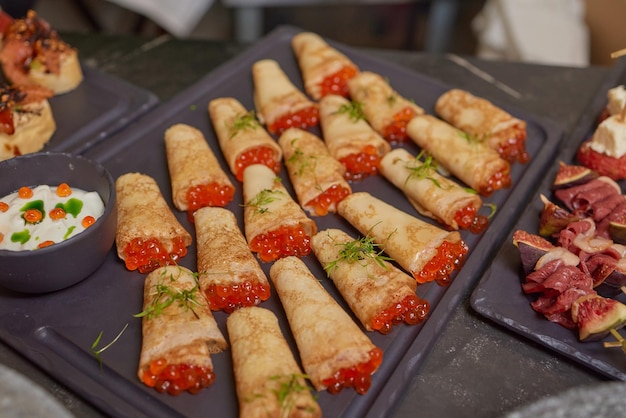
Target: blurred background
(556, 32)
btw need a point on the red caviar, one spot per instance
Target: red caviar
(6, 122)
(63, 190)
(45, 244)
(33, 216)
(88, 221)
(395, 132)
(467, 218)
(57, 214)
(411, 310)
(500, 180)
(1, 237)
(449, 256)
(328, 198)
(234, 296)
(177, 378)
(515, 148)
(4, 207)
(147, 255)
(282, 242)
(212, 194)
(257, 155)
(303, 119)
(362, 164)
(337, 83)
(359, 376)
(25, 192)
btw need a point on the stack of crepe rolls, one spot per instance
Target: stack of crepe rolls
(179, 333)
(275, 224)
(324, 69)
(426, 251)
(432, 194)
(228, 273)
(386, 110)
(148, 234)
(317, 178)
(472, 161)
(335, 352)
(28, 123)
(241, 137)
(482, 119)
(196, 176)
(349, 138)
(379, 294)
(268, 379)
(278, 102)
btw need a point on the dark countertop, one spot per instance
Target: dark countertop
(476, 368)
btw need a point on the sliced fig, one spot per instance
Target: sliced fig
(595, 316)
(617, 228)
(531, 247)
(571, 175)
(554, 218)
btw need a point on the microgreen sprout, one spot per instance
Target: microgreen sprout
(98, 351)
(353, 109)
(243, 122)
(165, 296)
(360, 249)
(262, 199)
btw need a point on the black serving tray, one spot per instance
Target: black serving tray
(499, 297)
(56, 330)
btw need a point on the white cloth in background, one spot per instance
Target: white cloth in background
(539, 31)
(178, 17)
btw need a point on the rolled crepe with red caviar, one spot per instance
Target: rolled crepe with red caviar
(275, 225)
(32, 53)
(196, 176)
(278, 102)
(432, 194)
(324, 69)
(228, 273)
(335, 352)
(470, 160)
(179, 333)
(317, 178)
(482, 119)
(269, 381)
(148, 234)
(387, 111)
(26, 120)
(379, 294)
(426, 251)
(241, 137)
(349, 138)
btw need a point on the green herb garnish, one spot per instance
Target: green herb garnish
(243, 122)
(353, 109)
(262, 199)
(423, 169)
(288, 387)
(475, 138)
(97, 351)
(166, 296)
(361, 249)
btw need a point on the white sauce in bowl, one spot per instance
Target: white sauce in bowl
(17, 235)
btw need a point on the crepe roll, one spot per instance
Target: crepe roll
(335, 352)
(432, 194)
(384, 108)
(148, 234)
(349, 138)
(228, 273)
(279, 103)
(241, 137)
(196, 176)
(379, 294)
(317, 177)
(324, 69)
(426, 251)
(470, 160)
(482, 119)
(269, 381)
(179, 333)
(275, 225)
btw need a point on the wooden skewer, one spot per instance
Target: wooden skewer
(618, 53)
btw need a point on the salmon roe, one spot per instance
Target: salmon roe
(6, 122)
(4, 207)
(147, 255)
(33, 216)
(282, 242)
(45, 244)
(500, 180)
(362, 164)
(212, 194)
(177, 378)
(63, 190)
(359, 376)
(328, 199)
(411, 310)
(257, 155)
(235, 296)
(303, 119)
(88, 221)
(395, 132)
(57, 214)
(337, 83)
(25, 192)
(515, 148)
(449, 256)
(467, 218)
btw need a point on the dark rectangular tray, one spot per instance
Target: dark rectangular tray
(56, 330)
(499, 297)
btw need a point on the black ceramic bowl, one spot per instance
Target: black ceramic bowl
(65, 263)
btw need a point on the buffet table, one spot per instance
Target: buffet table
(475, 368)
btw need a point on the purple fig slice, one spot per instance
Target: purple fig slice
(617, 228)
(571, 175)
(554, 218)
(531, 247)
(595, 316)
